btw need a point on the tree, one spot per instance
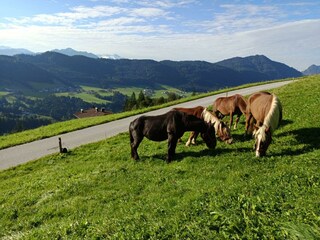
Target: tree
(131, 103)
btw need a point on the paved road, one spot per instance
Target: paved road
(14, 156)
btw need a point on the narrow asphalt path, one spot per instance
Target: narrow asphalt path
(20, 154)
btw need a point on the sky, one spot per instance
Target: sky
(286, 31)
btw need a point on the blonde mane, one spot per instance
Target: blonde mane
(209, 117)
(271, 120)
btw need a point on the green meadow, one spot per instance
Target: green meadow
(98, 192)
(3, 93)
(87, 93)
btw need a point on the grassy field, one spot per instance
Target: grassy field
(87, 93)
(87, 97)
(3, 94)
(98, 192)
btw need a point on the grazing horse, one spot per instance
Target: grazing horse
(233, 105)
(266, 111)
(221, 129)
(171, 125)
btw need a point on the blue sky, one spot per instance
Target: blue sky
(209, 30)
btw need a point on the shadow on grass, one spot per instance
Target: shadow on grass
(285, 122)
(309, 137)
(180, 156)
(241, 137)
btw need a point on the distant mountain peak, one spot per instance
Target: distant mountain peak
(8, 51)
(260, 64)
(73, 52)
(312, 70)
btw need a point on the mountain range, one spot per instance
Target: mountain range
(52, 70)
(8, 51)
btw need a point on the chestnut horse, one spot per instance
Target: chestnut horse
(221, 129)
(233, 105)
(171, 125)
(266, 111)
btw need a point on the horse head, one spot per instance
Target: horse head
(262, 140)
(224, 132)
(209, 137)
(221, 129)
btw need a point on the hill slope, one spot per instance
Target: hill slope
(97, 191)
(313, 69)
(23, 76)
(188, 75)
(259, 67)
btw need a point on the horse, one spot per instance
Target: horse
(221, 129)
(171, 125)
(233, 105)
(266, 111)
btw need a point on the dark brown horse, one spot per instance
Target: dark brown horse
(266, 111)
(171, 125)
(233, 105)
(221, 129)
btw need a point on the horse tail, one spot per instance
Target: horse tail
(130, 132)
(274, 115)
(280, 112)
(279, 106)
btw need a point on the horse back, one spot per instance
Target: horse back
(196, 111)
(259, 105)
(223, 104)
(157, 128)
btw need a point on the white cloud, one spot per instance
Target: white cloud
(66, 18)
(120, 21)
(167, 3)
(148, 12)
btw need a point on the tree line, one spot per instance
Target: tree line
(143, 100)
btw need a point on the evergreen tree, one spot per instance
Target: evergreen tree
(141, 100)
(131, 103)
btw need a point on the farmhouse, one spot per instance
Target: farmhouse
(92, 112)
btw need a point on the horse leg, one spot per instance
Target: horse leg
(237, 120)
(231, 120)
(189, 139)
(249, 122)
(135, 140)
(194, 140)
(172, 144)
